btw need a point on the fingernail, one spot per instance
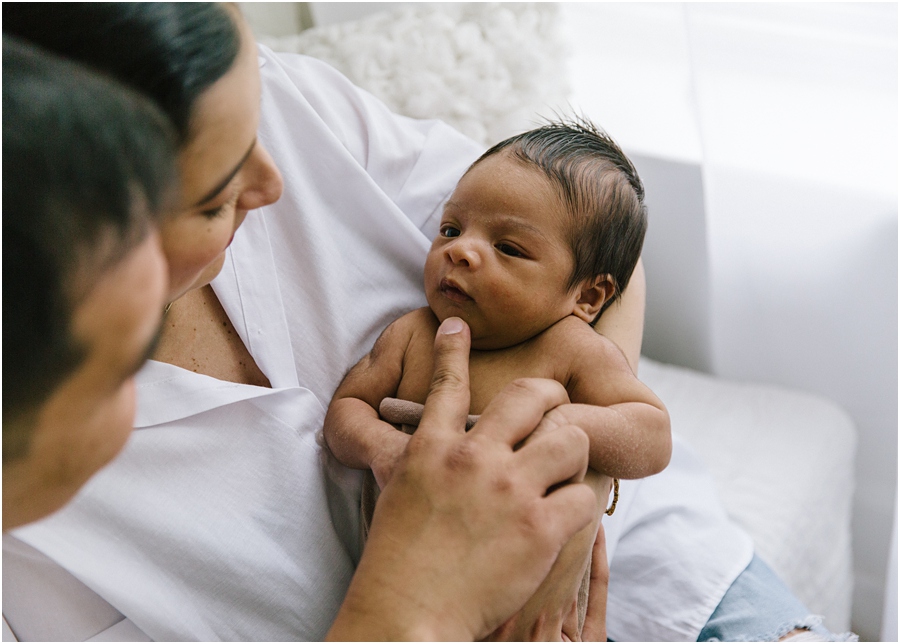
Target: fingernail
(451, 326)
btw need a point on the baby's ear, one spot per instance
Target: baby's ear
(594, 293)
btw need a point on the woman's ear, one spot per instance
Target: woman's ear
(594, 294)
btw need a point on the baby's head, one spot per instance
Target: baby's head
(545, 224)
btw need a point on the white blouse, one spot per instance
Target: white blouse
(223, 518)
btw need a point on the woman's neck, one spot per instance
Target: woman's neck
(198, 336)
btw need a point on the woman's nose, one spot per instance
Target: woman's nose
(263, 183)
(464, 252)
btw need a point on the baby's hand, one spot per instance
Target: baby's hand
(383, 464)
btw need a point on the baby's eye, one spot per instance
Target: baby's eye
(449, 231)
(506, 249)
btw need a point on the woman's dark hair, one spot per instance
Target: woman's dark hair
(172, 52)
(601, 190)
(86, 162)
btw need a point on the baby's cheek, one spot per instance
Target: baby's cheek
(506, 300)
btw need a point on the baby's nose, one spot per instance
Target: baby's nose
(464, 252)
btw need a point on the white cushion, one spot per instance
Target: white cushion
(783, 461)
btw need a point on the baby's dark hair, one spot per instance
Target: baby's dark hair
(601, 190)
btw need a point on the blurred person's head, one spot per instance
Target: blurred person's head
(198, 63)
(87, 168)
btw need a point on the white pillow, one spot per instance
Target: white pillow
(488, 69)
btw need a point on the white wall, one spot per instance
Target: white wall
(790, 110)
(889, 623)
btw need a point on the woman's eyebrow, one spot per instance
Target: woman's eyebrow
(221, 185)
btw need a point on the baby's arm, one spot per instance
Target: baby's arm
(353, 431)
(628, 426)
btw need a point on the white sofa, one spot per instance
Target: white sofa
(783, 459)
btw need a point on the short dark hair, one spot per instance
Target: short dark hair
(601, 190)
(85, 162)
(170, 51)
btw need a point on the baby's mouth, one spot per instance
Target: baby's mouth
(453, 292)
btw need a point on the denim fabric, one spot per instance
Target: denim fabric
(759, 607)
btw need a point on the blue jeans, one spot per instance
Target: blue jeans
(759, 607)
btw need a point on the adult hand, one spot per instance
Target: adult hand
(595, 620)
(387, 459)
(466, 529)
(552, 613)
(594, 628)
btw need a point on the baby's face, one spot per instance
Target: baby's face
(501, 261)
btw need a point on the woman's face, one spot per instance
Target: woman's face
(225, 173)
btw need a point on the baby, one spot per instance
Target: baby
(539, 237)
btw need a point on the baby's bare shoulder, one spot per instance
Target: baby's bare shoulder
(398, 334)
(412, 323)
(415, 330)
(582, 348)
(421, 324)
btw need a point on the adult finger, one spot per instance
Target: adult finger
(595, 620)
(556, 457)
(447, 405)
(567, 509)
(514, 413)
(570, 624)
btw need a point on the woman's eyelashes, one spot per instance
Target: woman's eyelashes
(212, 213)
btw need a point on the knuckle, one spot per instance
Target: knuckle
(502, 483)
(577, 437)
(461, 457)
(447, 379)
(557, 449)
(531, 523)
(549, 392)
(553, 419)
(572, 438)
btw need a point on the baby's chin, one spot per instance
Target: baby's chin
(484, 338)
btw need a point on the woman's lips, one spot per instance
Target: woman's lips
(452, 292)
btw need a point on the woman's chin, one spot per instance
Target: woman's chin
(206, 276)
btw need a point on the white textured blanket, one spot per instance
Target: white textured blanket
(783, 462)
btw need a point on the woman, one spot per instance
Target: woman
(259, 544)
